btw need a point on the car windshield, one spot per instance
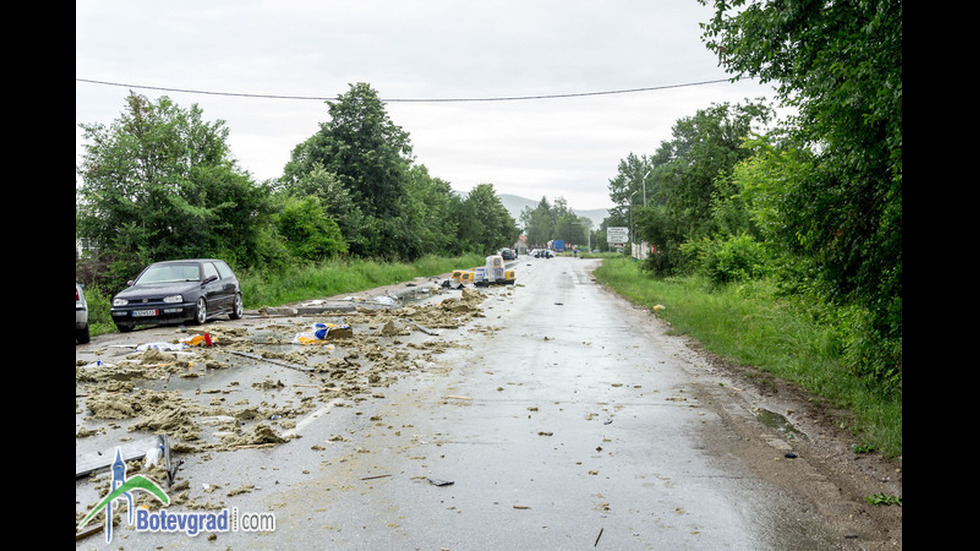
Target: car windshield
(169, 273)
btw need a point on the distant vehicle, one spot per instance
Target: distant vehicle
(81, 316)
(508, 254)
(176, 291)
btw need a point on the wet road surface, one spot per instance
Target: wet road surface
(562, 418)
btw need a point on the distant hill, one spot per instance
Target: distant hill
(515, 205)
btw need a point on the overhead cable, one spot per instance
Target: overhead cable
(415, 100)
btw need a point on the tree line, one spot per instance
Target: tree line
(813, 201)
(547, 222)
(159, 182)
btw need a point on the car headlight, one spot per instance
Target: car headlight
(119, 302)
(173, 299)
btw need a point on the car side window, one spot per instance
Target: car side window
(224, 270)
(209, 270)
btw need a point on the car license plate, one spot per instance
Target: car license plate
(144, 313)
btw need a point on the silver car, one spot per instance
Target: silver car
(81, 316)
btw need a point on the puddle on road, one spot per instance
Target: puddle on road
(778, 423)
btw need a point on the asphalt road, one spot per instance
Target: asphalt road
(562, 417)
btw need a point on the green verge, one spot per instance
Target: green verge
(752, 324)
(339, 277)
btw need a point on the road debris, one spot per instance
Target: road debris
(207, 400)
(439, 482)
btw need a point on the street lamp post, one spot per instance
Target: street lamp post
(644, 180)
(632, 227)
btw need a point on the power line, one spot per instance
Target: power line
(415, 100)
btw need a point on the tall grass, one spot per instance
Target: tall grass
(752, 324)
(339, 277)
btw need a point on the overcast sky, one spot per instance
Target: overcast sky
(269, 65)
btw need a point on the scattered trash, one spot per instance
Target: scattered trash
(658, 307)
(153, 455)
(256, 357)
(385, 300)
(438, 482)
(320, 332)
(199, 340)
(162, 346)
(422, 329)
(790, 455)
(99, 363)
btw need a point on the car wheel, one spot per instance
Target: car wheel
(82, 335)
(239, 308)
(124, 327)
(201, 311)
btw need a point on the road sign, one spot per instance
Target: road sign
(617, 235)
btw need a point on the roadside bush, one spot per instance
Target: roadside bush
(871, 355)
(308, 232)
(724, 260)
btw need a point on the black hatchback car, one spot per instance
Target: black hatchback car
(176, 291)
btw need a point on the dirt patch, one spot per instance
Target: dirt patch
(817, 464)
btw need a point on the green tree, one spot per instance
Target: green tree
(538, 223)
(699, 160)
(545, 222)
(427, 215)
(334, 199)
(159, 183)
(484, 223)
(688, 181)
(632, 182)
(308, 232)
(370, 157)
(573, 230)
(839, 64)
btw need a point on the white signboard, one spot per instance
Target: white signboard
(617, 235)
